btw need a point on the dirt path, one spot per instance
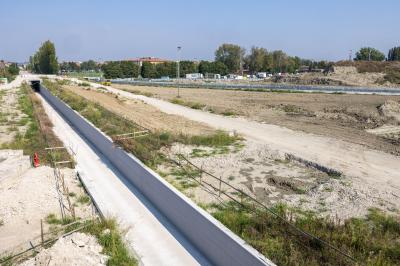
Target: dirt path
(374, 167)
(144, 114)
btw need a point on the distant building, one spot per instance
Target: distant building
(261, 75)
(212, 76)
(152, 60)
(194, 76)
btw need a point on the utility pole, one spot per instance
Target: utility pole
(350, 55)
(177, 68)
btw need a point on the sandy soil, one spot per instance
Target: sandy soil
(344, 117)
(267, 175)
(27, 195)
(142, 113)
(74, 249)
(10, 115)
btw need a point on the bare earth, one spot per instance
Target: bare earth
(74, 249)
(268, 176)
(142, 113)
(342, 116)
(28, 195)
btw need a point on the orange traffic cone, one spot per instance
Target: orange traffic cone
(36, 162)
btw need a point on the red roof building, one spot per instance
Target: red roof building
(152, 60)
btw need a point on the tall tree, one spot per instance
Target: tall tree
(148, 70)
(216, 67)
(112, 70)
(129, 69)
(187, 67)
(369, 54)
(166, 69)
(394, 54)
(89, 66)
(231, 55)
(13, 69)
(256, 60)
(44, 60)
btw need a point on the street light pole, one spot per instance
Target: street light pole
(177, 69)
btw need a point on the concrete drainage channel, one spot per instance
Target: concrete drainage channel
(211, 239)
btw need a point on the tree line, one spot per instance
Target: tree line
(229, 58)
(373, 54)
(89, 65)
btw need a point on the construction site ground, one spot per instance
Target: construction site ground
(258, 168)
(28, 195)
(345, 117)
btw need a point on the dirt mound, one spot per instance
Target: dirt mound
(345, 70)
(371, 66)
(390, 109)
(75, 249)
(308, 79)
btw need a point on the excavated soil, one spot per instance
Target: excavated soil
(142, 113)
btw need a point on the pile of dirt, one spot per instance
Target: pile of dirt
(345, 70)
(309, 79)
(74, 249)
(390, 109)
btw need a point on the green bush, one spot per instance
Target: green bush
(371, 241)
(108, 235)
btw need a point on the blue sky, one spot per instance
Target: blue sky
(120, 29)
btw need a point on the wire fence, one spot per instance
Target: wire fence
(243, 199)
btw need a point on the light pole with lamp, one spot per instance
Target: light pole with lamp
(177, 69)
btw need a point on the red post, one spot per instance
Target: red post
(36, 162)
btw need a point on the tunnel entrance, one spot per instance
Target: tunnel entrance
(35, 84)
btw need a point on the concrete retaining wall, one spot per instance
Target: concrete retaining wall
(217, 243)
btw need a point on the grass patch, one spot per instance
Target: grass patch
(219, 139)
(193, 105)
(228, 113)
(54, 220)
(84, 84)
(372, 240)
(110, 238)
(83, 199)
(71, 194)
(1, 222)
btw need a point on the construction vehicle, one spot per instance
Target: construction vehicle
(106, 82)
